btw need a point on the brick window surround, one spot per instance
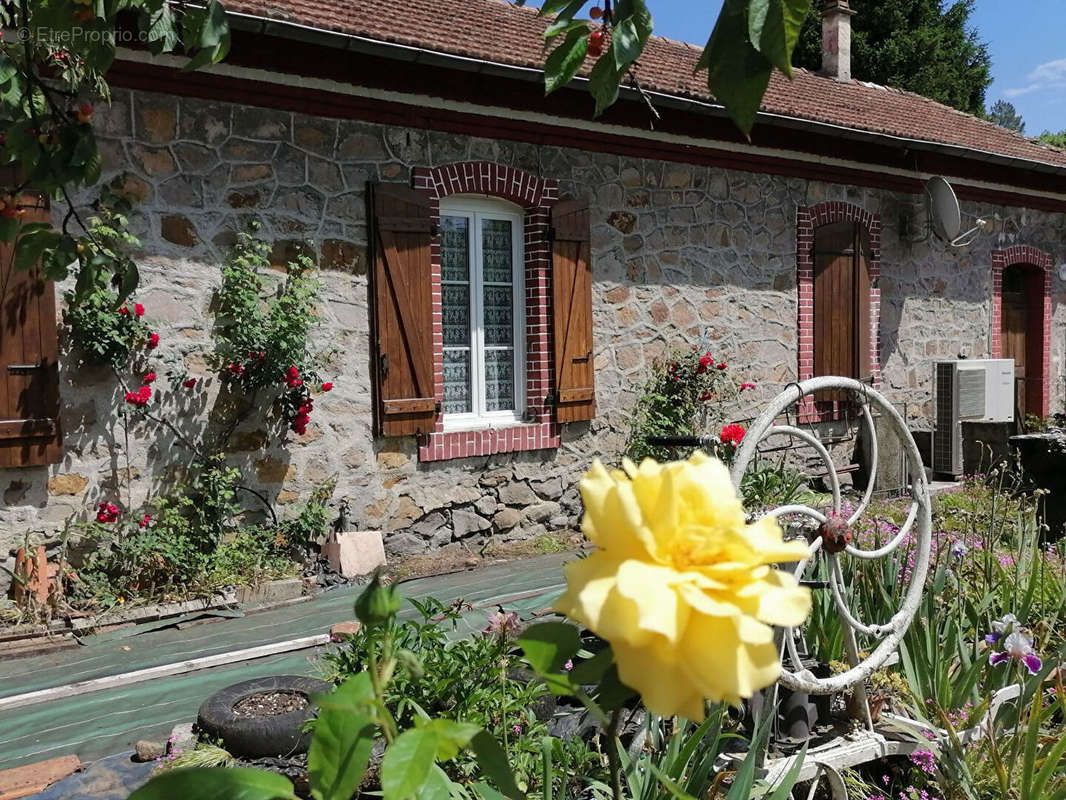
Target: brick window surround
(535, 196)
(1040, 308)
(808, 219)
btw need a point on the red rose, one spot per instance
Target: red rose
(133, 398)
(153, 341)
(138, 309)
(145, 521)
(745, 386)
(292, 373)
(107, 512)
(327, 386)
(151, 376)
(705, 362)
(125, 311)
(722, 365)
(188, 383)
(732, 434)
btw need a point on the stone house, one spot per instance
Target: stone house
(501, 269)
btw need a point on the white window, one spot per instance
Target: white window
(482, 293)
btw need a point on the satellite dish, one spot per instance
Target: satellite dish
(944, 209)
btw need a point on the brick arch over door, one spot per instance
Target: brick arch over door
(535, 196)
(808, 219)
(1040, 307)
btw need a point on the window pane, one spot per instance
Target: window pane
(496, 251)
(455, 307)
(457, 382)
(455, 248)
(499, 315)
(499, 380)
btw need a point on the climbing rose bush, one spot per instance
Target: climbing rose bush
(681, 585)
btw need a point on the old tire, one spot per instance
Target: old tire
(279, 735)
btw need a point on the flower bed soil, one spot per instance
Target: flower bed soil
(270, 704)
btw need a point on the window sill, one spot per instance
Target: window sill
(471, 424)
(511, 438)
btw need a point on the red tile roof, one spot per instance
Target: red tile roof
(498, 31)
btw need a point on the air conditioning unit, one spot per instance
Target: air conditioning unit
(968, 391)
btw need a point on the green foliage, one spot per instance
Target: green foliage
(1053, 139)
(186, 541)
(100, 326)
(50, 74)
(769, 485)
(923, 46)
(684, 396)
(1006, 116)
(750, 39)
(262, 330)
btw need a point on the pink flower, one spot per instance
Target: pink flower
(138, 309)
(153, 341)
(746, 385)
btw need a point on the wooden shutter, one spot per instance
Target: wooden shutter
(30, 433)
(402, 310)
(575, 396)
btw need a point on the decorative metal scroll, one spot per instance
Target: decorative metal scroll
(794, 675)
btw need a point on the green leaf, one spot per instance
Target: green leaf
(494, 764)
(783, 790)
(344, 734)
(438, 786)
(8, 70)
(128, 280)
(631, 33)
(564, 20)
(553, 6)
(486, 792)
(603, 83)
(29, 247)
(407, 763)
(592, 670)
(549, 645)
(451, 736)
(737, 73)
(773, 28)
(216, 783)
(612, 693)
(565, 60)
(745, 777)
(9, 228)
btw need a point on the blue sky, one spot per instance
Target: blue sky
(1026, 38)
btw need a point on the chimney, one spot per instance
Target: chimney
(836, 39)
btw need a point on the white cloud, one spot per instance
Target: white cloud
(1049, 75)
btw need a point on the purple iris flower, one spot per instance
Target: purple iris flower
(1019, 647)
(959, 549)
(1000, 627)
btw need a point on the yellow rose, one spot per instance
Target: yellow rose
(680, 585)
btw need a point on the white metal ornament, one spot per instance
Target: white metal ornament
(890, 632)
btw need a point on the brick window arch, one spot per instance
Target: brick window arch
(1035, 266)
(535, 196)
(868, 229)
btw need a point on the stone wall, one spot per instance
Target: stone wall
(681, 254)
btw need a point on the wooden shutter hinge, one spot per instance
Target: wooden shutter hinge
(434, 229)
(549, 400)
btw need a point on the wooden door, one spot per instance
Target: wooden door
(1014, 334)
